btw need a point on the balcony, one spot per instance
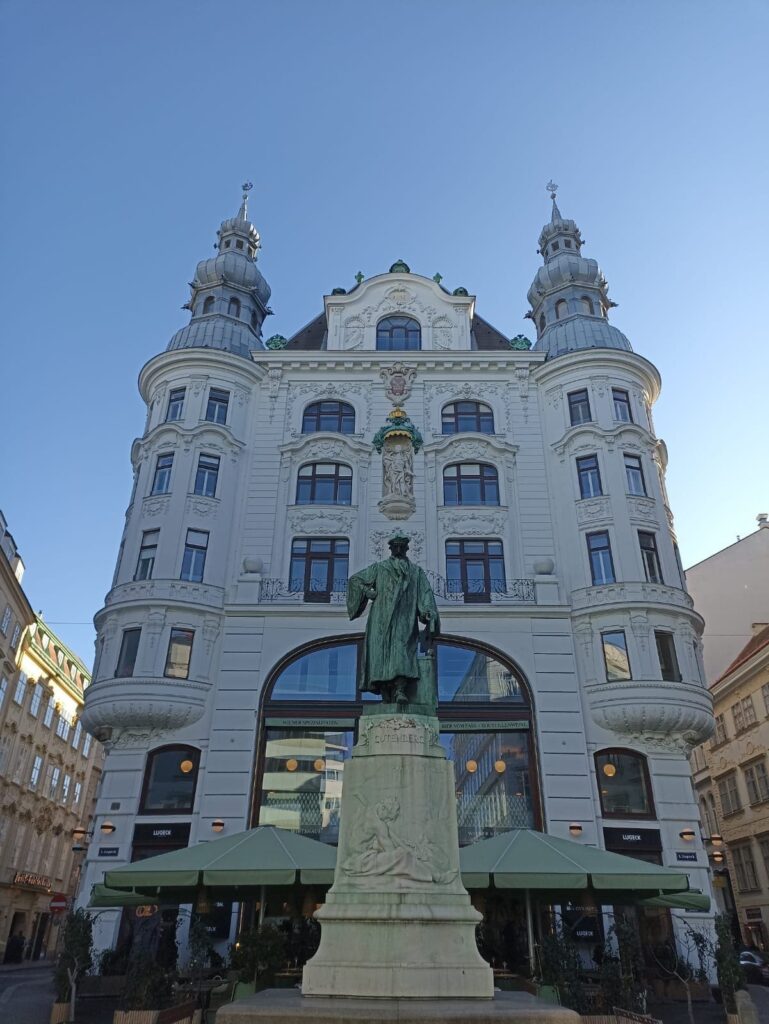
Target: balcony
(629, 592)
(313, 591)
(141, 702)
(446, 591)
(657, 713)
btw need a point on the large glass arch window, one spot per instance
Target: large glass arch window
(398, 334)
(458, 417)
(170, 779)
(624, 784)
(309, 723)
(337, 417)
(470, 483)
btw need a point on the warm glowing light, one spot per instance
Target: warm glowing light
(716, 839)
(575, 828)
(108, 828)
(499, 766)
(79, 833)
(687, 834)
(718, 856)
(472, 766)
(292, 764)
(217, 825)
(319, 765)
(186, 766)
(609, 770)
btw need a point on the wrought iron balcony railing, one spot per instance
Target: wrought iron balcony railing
(482, 591)
(300, 591)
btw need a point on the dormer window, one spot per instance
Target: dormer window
(567, 243)
(227, 244)
(208, 305)
(398, 334)
(233, 308)
(561, 309)
(587, 305)
(554, 246)
(239, 244)
(542, 322)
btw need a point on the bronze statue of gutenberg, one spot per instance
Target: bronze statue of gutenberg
(401, 597)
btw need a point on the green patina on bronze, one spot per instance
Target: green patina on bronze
(401, 597)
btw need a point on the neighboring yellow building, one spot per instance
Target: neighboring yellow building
(49, 767)
(731, 779)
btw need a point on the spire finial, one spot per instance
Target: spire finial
(243, 211)
(552, 188)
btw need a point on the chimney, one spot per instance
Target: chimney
(763, 521)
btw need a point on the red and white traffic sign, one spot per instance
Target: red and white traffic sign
(58, 903)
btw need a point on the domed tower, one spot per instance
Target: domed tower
(229, 295)
(637, 637)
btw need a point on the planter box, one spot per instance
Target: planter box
(59, 1013)
(135, 1017)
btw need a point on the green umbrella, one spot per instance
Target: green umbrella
(262, 856)
(524, 859)
(102, 896)
(692, 900)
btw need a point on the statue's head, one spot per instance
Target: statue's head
(399, 545)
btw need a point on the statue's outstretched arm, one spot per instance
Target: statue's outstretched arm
(360, 590)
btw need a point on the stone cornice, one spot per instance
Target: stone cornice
(494, 441)
(177, 433)
(329, 439)
(603, 359)
(601, 435)
(342, 361)
(758, 662)
(198, 359)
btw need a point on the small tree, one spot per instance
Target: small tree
(201, 947)
(622, 970)
(148, 983)
(560, 966)
(686, 961)
(730, 974)
(259, 953)
(76, 957)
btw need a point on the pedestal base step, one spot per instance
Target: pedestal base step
(289, 1006)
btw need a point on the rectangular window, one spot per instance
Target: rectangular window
(744, 868)
(77, 734)
(37, 700)
(179, 654)
(650, 557)
(621, 400)
(764, 694)
(475, 569)
(749, 711)
(129, 647)
(194, 559)
(21, 689)
(763, 845)
(579, 407)
(175, 404)
(207, 476)
(615, 655)
(34, 777)
(62, 727)
(666, 652)
(757, 782)
(719, 735)
(49, 710)
(737, 717)
(147, 553)
(161, 482)
(3, 690)
(216, 408)
(54, 774)
(319, 567)
(730, 795)
(15, 637)
(589, 476)
(76, 795)
(599, 553)
(634, 475)
(65, 784)
(5, 624)
(87, 744)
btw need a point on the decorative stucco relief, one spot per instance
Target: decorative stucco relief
(481, 523)
(155, 506)
(333, 390)
(593, 510)
(200, 506)
(308, 519)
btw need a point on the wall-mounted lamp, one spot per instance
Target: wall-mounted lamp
(716, 839)
(687, 834)
(718, 857)
(107, 828)
(217, 825)
(575, 829)
(80, 833)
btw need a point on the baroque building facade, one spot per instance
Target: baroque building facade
(530, 482)
(49, 769)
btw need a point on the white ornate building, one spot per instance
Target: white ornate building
(531, 484)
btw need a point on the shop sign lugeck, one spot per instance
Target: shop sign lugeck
(31, 880)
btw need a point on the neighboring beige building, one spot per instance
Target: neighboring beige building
(731, 592)
(731, 779)
(49, 766)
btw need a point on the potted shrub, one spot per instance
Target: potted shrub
(257, 955)
(74, 961)
(148, 991)
(731, 977)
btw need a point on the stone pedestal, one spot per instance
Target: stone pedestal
(397, 922)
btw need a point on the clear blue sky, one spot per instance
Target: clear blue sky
(423, 130)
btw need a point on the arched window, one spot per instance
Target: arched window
(623, 783)
(713, 813)
(457, 417)
(470, 483)
(398, 334)
(208, 305)
(324, 483)
(707, 824)
(587, 305)
(310, 716)
(170, 778)
(561, 309)
(338, 417)
(541, 322)
(233, 307)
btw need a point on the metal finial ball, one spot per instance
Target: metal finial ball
(247, 186)
(552, 188)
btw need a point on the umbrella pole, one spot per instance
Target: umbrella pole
(262, 907)
(529, 931)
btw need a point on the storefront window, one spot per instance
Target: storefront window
(623, 782)
(169, 781)
(328, 673)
